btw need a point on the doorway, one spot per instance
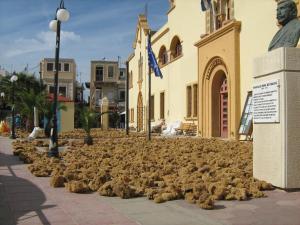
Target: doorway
(220, 109)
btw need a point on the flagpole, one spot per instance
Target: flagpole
(149, 95)
(127, 99)
(214, 15)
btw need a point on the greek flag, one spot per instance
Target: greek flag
(152, 61)
(205, 5)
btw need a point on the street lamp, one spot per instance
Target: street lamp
(13, 79)
(2, 95)
(2, 106)
(62, 15)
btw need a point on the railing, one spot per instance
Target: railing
(98, 102)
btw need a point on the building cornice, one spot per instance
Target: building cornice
(130, 57)
(104, 62)
(233, 25)
(60, 60)
(61, 80)
(159, 36)
(171, 9)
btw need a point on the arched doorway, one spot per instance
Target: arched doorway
(219, 105)
(140, 112)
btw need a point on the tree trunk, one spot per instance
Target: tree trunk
(29, 125)
(88, 140)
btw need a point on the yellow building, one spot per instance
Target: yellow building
(66, 78)
(66, 88)
(206, 60)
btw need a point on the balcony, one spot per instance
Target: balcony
(98, 102)
(107, 83)
(112, 103)
(121, 104)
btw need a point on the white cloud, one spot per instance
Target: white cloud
(43, 41)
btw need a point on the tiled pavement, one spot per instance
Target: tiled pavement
(25, 199)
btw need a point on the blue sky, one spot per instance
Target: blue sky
(96, 29)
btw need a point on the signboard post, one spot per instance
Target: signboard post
(246, 126)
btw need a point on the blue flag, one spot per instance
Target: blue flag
(205, 5)
(152, 61)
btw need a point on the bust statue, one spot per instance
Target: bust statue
(289, 33)
(172, 3)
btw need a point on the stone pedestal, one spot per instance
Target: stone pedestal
(276, 134)
(105, 115)
(36, 117)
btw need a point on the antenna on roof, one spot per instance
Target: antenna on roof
(119, 61)
(146, 10)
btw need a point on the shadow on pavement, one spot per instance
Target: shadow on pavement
(218, 207)
(20, 199)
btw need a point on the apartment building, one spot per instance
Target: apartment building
(107, 80)
(66, 78)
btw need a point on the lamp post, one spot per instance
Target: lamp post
(62, 15)
(2, 105)
(13, 79)
(2, 99)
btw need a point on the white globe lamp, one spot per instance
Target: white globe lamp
(13, 78)
(63, 15)
(53, 25)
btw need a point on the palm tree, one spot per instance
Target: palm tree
(29, 100)
(87, 119)
(28, 94)
(47, 110)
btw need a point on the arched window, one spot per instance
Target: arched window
(176, 48)
(163, 56)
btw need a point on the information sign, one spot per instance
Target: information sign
(266, 102)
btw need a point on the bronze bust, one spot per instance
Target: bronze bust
(289, 33)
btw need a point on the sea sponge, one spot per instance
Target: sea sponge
(107, 189)
(196, 169)
(57, 181)
(77, 187)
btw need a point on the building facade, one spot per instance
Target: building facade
(66, 77)
(67, 90)
(107, 80)
(206, 60)
(3, 72)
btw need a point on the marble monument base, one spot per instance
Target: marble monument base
(276, 111)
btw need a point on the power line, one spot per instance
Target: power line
(29, 69)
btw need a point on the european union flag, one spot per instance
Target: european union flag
(205, 5)
(152, 61)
